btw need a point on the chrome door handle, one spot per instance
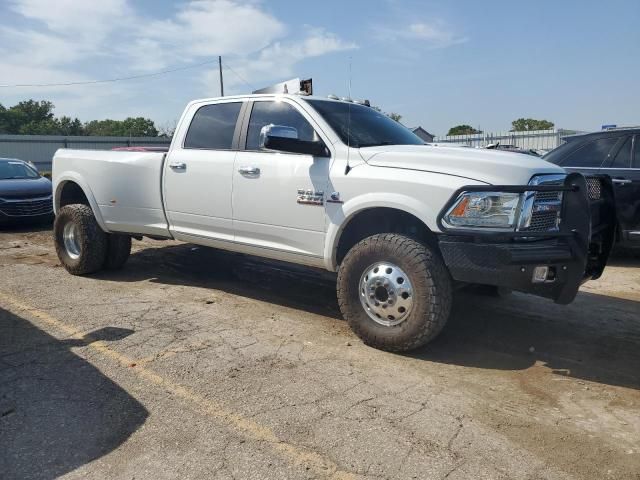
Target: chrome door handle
(621, 181)
(251, 172)
(178, 165)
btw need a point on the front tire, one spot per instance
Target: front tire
(394, 292)
(81, 244)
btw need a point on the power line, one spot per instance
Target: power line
(118, 79)
(239, 76)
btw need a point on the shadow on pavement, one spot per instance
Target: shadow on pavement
(57, 411)
(289, 285)
(596, 338)
(625, 258)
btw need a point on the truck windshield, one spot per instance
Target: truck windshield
(12, 169)
(360, 126)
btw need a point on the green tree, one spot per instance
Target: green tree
(68, 126)
(32, 112)
(35, 111)
(129, 127)
(528, 124)
(33, 117)
(30, 116)
(392, 115)
(102, 128)
(43, 127)
(463, 130)
(3, 121)
(140, 127)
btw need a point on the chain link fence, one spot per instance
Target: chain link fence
(542, 140)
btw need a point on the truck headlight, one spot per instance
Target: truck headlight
(490, 210)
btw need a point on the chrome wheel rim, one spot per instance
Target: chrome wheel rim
(71, 240)
(386, 293)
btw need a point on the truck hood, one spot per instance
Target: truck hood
(488, 166)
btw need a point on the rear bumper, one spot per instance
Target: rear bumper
(576, 253)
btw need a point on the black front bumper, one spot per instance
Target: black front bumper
(25, 219)
(576, 253)
(26, 209)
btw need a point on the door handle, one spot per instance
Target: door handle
(621, 181)
(178, 165)
(251, 172)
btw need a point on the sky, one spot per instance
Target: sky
(437, 63)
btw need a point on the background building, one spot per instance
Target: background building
(423, 134)
(39, 149)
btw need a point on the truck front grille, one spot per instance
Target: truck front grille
(544, 222)
(545, 206)
(26, 207)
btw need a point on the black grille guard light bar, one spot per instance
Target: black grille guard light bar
(586, 234)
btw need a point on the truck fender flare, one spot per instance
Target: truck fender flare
(74, 177)
(338, 220)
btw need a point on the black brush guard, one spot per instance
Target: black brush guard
(577, 252)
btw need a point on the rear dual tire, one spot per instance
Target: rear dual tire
(82, 246)
(394, 292)
(118, 251)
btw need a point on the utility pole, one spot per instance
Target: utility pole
(221, 82)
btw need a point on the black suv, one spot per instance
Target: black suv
(616, 153)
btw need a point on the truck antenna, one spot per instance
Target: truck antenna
(347, 169)
(221, 81)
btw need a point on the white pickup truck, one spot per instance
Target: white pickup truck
(337, 185)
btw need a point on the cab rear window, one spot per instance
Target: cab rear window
(213, 127)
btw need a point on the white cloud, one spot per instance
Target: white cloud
(437, 34)
(220, 27)
(83, 19)
(78, 40)
(278, 60)
(433, 34)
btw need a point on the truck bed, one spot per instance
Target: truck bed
(126, 187)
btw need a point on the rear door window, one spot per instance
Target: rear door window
(623, 157)
(213, 127)
(592, 155)
(636, 152)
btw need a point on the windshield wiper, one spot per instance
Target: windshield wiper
(376, 144)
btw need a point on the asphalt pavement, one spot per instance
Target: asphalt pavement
(195, 363)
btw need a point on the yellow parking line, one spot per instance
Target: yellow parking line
(316, 462)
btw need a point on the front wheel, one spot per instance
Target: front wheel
(394, 292)
(81, 244)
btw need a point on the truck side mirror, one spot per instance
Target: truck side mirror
(280, 131)
(285, 139)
